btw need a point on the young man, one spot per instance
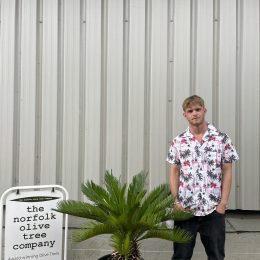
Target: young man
(200, 180)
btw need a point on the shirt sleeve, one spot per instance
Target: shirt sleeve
(173, 155)
(229, 153)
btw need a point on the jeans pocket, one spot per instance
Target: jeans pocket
(219, 214)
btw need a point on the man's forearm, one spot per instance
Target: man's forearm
(174, 180)
(226, 182)
(226, 187)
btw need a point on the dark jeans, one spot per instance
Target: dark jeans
(212, 234)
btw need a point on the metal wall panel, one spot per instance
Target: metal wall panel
(70, 108)
(26, 96)
(226, 105)
(204, 51)
(48, 91)
(7, 81)
(158, 94)
(114, 91)
(136, 88)
(92, 131)
(90, 85)
(182, 69)
(249, 138)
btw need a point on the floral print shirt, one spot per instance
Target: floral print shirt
(200, 168)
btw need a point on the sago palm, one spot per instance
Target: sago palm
(128, 212)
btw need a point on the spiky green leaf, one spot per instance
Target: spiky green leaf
(92, 230)
(81, 209)
(136, 190)
(176, 234)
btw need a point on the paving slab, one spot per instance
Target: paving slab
(243, 221)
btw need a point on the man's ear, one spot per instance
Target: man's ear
(184, 114)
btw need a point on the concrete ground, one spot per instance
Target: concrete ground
(242, 242)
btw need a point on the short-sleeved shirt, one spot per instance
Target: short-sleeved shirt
(201, 168)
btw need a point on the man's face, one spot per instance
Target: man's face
(195, 114)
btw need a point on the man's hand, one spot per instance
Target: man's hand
(178, 206)
(221, 208)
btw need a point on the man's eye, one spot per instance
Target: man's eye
(198, 109)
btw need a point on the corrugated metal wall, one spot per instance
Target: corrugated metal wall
(89, 85)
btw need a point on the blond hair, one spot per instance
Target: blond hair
(192, 100)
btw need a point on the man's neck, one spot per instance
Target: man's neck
(198, 130)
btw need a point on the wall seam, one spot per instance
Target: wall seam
(193, 45)
(170, 75)
(215, 78)
(17, 93)
(259, 81)
(125, 92)
(0, 18)
(60, 92)
(239, 51)
(38, 84)
(103, 98)
(147, 84)
(82, 96)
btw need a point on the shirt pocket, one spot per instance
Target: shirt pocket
(214, 158)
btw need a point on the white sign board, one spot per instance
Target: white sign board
(32, 229)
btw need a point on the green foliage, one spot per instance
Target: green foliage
(128, 212)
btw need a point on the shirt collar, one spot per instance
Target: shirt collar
(211, 131)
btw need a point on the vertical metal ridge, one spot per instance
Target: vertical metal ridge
(38, 83)
(0, 18)
(60, 92)
(259, 79)
(125, 92)
(103, 109)
(193, 44)
(17, 92)
(147, 83)
(239, 50)
(170, 73)
(215, 78)
(82, 94)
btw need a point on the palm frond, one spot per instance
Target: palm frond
(176, 234)
(165, 202)
(123, 244)
(136, 190)
(92, 230)
(140, 228)
(153, 199)
(98, 195)
(116, 191)
(81, 209)
(179, 215)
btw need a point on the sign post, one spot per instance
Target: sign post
(33, 230)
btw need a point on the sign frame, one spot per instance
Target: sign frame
(31, 189)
